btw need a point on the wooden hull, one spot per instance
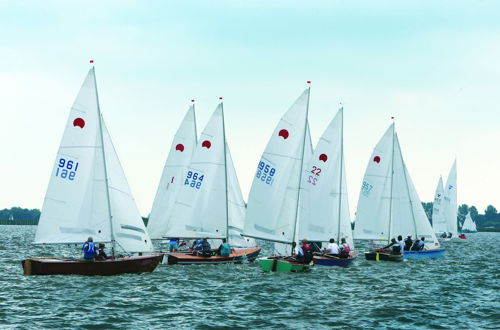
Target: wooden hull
(274, 264)
(382, 256)
(238, 256)
(424, 254)
(326, 260)
(52, 266)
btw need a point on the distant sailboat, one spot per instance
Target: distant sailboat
(88, 195)
(178, 159)
(273, 202)
(469, 225)
(450, 201)
(324, 207)
(439, 222)
(389, 204)
(209, 203)
(11, 217)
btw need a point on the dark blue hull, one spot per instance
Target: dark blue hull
(425, 254)
(325, 260)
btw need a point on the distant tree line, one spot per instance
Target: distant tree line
(489, 220)
(18, 213)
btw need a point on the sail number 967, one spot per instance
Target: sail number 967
(265, 173)
(193, 179)
(66, 169)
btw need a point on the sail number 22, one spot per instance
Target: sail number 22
(66, 169)
(265, 173)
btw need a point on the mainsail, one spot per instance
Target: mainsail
(273, 200)
(88, 194)
(324, 211)
(438, 214)
(469, 224)
(389, 204)
(450, 200)
(178, 159)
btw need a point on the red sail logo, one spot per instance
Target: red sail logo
(284, 134)
(206, 144)
(179, 147)
(79, 122)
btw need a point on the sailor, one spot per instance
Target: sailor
(101, 254)
(332, 248)
(444, 235)
(173, 245)
(401, 243)
(89, 250)
(450, 234)
(196, 245)
(344, 248)
(408, 243)
(307, 252)
(415, 246)
(396, 248)
(421, 244)
(206, 249)
(224, 249)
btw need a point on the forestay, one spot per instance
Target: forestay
(178, 159)
(324, 211)
(273, 199)
(450, 200)
(438, 214)
(86, 190)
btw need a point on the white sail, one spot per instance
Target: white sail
(389, 204)
(273, 199)
(323, 199)
(374, 205)
(87, 190)
(469, 224)
(178, 159)
(438, 213)
(200, 206)
(450, 200)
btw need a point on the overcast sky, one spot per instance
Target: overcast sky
(434, 65)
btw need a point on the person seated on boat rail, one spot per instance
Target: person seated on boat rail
(418, 245)
(196, 245)
(101, 255)
(305, 254)
(401, 243)
(206, 249)
(396, 248)
(344, 248)
(173, 245)
(332, 248)
(224, 249)
(444, 235)
(449, 234)
(408, 243)
(89, 250)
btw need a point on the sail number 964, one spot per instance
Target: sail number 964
(193, 179)
(265, 173)
(66, 169)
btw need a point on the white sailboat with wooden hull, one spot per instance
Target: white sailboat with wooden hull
(88, 195)
(209, 203)
(273, 202)
(324, 207)
(389, 204)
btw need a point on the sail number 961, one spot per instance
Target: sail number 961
(66, 169)
(265, 173)
(193, 179)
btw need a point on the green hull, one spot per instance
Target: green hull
(279, 265)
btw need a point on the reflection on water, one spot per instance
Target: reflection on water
(459, 291)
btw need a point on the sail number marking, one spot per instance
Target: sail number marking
(265, 173)
(66, 169)
(366, 188)
(193, 179)
(313, 179)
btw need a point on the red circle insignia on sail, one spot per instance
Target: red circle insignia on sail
(79, 122)
(206, 144)
(376, 159)
(179, 147)
(284, 134)
(323, 158)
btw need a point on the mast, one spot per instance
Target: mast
(194, 117)
(105, 167)
(392, 181)
(408, 191)
(301, 163)
(341, 169)
(225, 170)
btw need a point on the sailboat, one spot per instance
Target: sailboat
(181, 151)
(209, 204)
(273, 202)
(469, 226)
(450, 202)
(88, 195)
(389, 205)
(324, 207)
(438, 214)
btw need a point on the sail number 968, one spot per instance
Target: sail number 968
(66, 169)
(265, 173)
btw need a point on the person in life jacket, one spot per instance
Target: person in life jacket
(396, 248)
(101, 254)
(89, 249)
(224, 249)
(206, 249)
(408, 243)
(344, 248)
(307, 253)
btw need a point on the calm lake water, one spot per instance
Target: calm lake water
(459, 291)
